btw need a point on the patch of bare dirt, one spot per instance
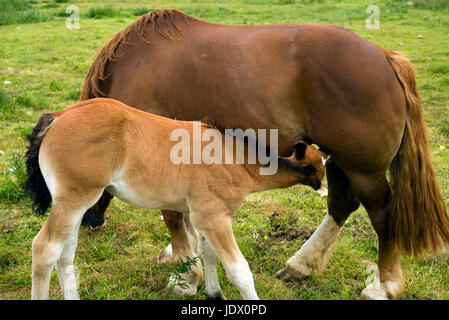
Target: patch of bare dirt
(286, 230)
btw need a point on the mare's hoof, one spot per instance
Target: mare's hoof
(91, 220)
(288, 274)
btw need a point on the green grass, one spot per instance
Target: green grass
(100, 12)
(19, 11)
(13, 179)
(46, 64)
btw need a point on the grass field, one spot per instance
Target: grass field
(42, 67)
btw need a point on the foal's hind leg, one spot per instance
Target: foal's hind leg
(314, 254)
(67, 272)
(55, 244)
(48, 247)
(374, 193)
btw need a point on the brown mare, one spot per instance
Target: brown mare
(322, 83)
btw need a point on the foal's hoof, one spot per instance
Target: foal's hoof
(188, 290)
(185, 292)
(373, 294)
(215, 296)
(288, 274)
(185, 284)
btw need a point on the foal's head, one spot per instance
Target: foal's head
(308, 162)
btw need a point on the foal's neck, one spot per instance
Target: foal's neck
(283, 178)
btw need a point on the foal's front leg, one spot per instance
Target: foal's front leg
(218, 232)
(213, 289)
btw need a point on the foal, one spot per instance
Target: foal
(102, 144)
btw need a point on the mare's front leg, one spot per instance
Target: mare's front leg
(184, 243)
(314, 254)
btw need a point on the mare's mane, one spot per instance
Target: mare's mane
(163, 21)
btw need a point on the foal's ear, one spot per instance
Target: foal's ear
(300, 149)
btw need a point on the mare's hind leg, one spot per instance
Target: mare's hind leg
(314, 254)
(184, 243)
(174, 221)
(94, 217)
(55, 244)
(374, 193)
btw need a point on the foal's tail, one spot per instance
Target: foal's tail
(418, 222)
(35, 185)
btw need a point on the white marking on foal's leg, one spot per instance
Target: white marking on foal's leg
(45, 256)
(377, 290)
(241, 276)
(213, 289)
(314, 254)
(68, 274)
